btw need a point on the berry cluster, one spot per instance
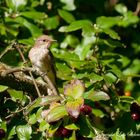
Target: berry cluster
(135, 111)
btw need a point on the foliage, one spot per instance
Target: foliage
(97, 62)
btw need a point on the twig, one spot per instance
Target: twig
(13, 78)
(6, 50)
(24, 60)
(14, 113)
(50, 84)
(137, 9)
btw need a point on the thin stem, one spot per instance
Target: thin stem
(6, 50)
(24, 60)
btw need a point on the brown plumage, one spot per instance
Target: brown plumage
(41, 57)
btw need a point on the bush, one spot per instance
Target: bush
(96, 59)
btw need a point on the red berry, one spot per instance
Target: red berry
(135, 116)
(2, 133)
(63, 132)
(86, 109)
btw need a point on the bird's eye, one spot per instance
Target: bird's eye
(44, 40)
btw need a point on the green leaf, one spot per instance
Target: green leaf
(73, 107)
(98, 113)
(16, 94)
(71, 41)
(68, 17)
(69, 5)
(95, 77)
(32, 119)
(72, 126)
(96, 95)
(111, 33)
(85, 129)
(129, 18)
(35, 15)
(76, 25)
(24, 132)
(64, 72)
(51, 22)
(3, 88)
(126, 99)
(75, 89)
(120, 8)
(107, 22)
(56, 113)
(118, 136)
(35, 31)
(65, 55)
(42, 101)
(16, 5)
(73, 137)
(11, 133)
(110, 78)
(43, 126)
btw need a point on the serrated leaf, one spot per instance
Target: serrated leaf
(75, 89)
(24, 132)
(56, 113)
(96, 96)
(118, 136)
(68, 17)
(73, 107)
(3, 88)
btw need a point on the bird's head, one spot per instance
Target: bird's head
(44, 40)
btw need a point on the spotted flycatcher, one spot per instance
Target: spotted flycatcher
(41, 57)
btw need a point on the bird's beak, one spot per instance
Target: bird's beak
(52, 40)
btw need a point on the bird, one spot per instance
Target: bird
(41, 57)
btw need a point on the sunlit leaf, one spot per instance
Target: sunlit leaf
(33, 15)
(69, 5)
(96, 95)
(56, 113)
(24, 132)
(122, 9)
(16, 5)
(75, 89)
(107, 22)
(76, 25)
(3, 88)
(42, 101)
(73, 107)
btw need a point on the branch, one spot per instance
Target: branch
(17, 79)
